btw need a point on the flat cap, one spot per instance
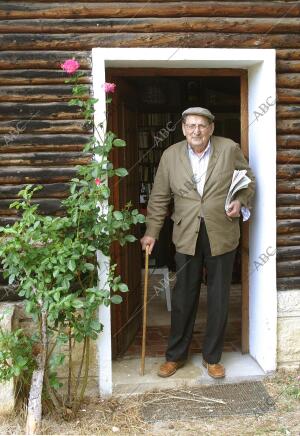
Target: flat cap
(199, 111)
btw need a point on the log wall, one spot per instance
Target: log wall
(42, 137)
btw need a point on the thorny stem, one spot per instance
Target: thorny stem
(79, 279)
(79, 216)
(51, 351)
(70, 368)
(52, 393)
(79, 374)
(86, 374)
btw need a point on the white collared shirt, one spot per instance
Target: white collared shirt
(199, 162)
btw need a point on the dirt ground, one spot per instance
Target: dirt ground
(124, 416)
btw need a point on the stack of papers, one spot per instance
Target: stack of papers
(239, 181)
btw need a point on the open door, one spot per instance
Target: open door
(126, 317)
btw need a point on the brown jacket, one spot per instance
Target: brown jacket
(174, 177)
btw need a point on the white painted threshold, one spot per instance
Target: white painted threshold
(260, 64)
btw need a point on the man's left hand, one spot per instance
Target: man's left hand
(234, 209)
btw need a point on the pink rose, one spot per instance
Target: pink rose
(97, 181)
(70, 66)
(109, 87)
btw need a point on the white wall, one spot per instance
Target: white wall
(262, 156)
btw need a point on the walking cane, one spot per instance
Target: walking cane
(145, 310)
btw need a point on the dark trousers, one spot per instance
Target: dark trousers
(185, 299)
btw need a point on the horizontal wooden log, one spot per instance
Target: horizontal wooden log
(288, 80)
(288, 226)
(288, 95)
(288, 141)
(13, 60)
(288, 199)
(274, 9)
(50, 206)
(18, 141)
(143, 25)
(292, 212)
(288, 283)
(283, 66)
(285, 111)
(41, 111)
(288, 156)
(284, 240)
(19, 175)
(53, 190)
(288, 171)
(88, 41)
(290, 54)
(13, 127)
(121, 2)
(284, 186)
(288, 126)
(48, 159)
(37, 93)
(37, 77)
(284, 253)
(290, 268)
(156, 1)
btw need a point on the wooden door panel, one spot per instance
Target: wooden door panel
(126, 317)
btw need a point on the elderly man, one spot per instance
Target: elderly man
(198, 173)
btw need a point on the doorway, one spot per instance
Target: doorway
(146, 112)
(259, 65)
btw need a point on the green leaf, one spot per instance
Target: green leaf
(141, 218)
(72, 265)
(11, 279)
(130, 238)
(91, 298)
(91, 248)
(123, 287)
(116, 299)
(89, 266)
(119, 143)
(121, 172)
(95, 325)
(105, 191)
(118, 215)
(78, 304)
(21, 361)
(54, 383)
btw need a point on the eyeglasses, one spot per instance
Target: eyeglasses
(193, 127)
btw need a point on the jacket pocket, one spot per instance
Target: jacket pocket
(176, 219)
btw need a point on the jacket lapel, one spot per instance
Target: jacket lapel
(215, 153)
(185, 160)
(184, 157)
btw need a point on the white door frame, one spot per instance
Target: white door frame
(260, 64)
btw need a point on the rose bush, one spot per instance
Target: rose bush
(52, 262)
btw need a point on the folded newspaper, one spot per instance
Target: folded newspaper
(239, 181)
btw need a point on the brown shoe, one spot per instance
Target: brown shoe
(215, 370)
(169, 368)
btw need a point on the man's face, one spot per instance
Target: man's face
(197, 131)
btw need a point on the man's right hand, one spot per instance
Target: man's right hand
(148, 240)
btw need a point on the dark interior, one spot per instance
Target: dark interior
(161, 101)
